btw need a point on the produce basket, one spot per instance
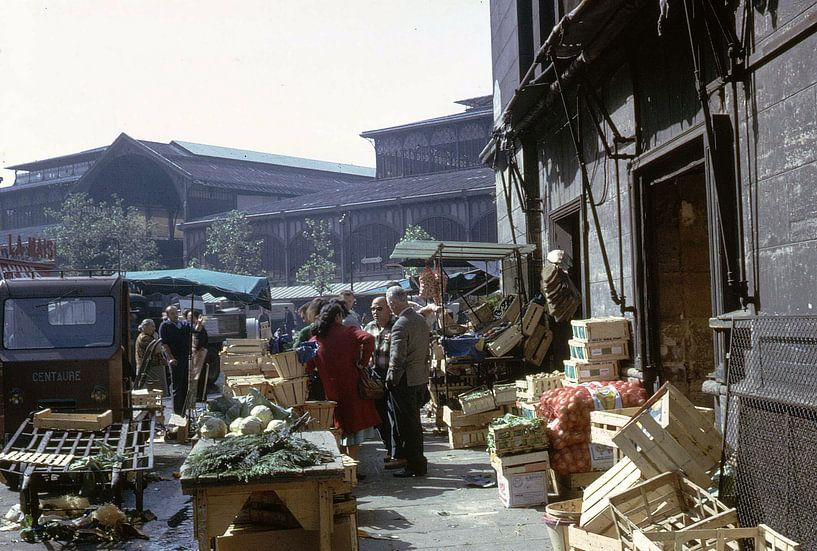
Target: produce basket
(511, 434)
(322, 414)
(505, 394)
(287, 364)
(290, 392)
(477, 401)
(536, 385)
(667, 503)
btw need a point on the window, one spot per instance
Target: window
(43, 323)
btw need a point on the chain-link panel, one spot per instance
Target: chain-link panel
(771, 425)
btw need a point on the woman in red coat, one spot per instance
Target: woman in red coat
(342, 350)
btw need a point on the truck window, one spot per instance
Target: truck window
(42, 323)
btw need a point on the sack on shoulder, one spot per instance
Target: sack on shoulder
(370, 388)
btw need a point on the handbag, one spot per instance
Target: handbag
(370, 388)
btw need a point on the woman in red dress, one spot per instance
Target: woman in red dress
(342, 350)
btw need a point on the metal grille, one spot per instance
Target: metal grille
(771, 425)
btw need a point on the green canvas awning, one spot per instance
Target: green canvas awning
(451, 252)
(242, 288)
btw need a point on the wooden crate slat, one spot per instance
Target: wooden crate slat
(622, 475)
(694, 425)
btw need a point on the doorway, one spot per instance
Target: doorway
(565, 235)
(679, 279)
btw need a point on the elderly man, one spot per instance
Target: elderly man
(380, 327)
(407, 378)
(175, 335)
(352, 319)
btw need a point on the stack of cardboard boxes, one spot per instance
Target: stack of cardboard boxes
(596, 348)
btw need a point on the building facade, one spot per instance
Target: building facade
(429, 174)
(168, 183)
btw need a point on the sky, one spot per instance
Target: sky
(293, 77)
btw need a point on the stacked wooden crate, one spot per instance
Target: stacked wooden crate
(518, 451)
(596, 348)
(241, 357)
(291, 386)
(469, 431)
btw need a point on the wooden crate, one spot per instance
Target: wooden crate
(47, 419)
(537, 345)
(504, 343)
(245, 346)
(268, 367)
(530, 321)
(605, 424)
(667, 503)
(474, 401)
(457, 419)
(536, 385)
(601, 329)
(714, 539)
(467, 437)
(290, 392)
(681, 438)
(240, 385)
(583, 540)
(595, 505)
(287, 364)
(244, 538)
(610, 350)
(520, 438)
(504, 394)
(145, 398)
(480, 315)
(572, 485)
(527, 409)
(511, 313)
(583, 372)
(349, 469)
(322, 414)
(522, 463)
(239, 364)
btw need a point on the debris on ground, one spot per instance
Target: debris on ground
(106, 524)
(479, 481)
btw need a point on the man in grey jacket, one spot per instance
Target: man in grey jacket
(407, 378)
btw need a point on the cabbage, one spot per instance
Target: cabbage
(213, 428)
(263, 413)
(250, 425)
(235, 426)
(275, 425)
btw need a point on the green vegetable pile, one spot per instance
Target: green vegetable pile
(256, 456)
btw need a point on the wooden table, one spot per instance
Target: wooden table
(308, 494)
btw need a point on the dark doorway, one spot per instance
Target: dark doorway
(679, 282)
(565, 235)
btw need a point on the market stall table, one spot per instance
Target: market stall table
(39, 459)
(307, 493)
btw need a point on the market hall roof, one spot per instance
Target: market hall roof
(376, 191)
(223, 167)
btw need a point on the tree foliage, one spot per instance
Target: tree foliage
(231, 246)
(414, 233)
(102, 235)
(318, 270)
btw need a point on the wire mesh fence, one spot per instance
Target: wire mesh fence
(770, 470)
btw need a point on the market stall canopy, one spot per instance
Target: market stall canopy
(242, 288)
(454, 253)
(361, 288)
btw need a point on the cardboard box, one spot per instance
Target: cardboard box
(611, 350)
(577, 371)
(601, 329)
(522, 490)
(601, 457)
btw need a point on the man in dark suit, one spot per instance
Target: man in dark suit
(407, 378)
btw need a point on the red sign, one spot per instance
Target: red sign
(35, 248)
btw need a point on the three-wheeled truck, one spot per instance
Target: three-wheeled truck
(64, 345)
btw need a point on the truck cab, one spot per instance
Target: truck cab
(64, 346)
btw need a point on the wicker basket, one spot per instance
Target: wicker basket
(322, 414)
(287, 365)
(477, 401)
(290, 392)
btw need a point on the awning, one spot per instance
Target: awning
(361, 288)
(455, 251)
(241, 288)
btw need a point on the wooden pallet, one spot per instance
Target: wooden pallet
(467, 437)
(681, 439)
(48, 459)
(596, 516)
(714, 539)
(47, 419)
